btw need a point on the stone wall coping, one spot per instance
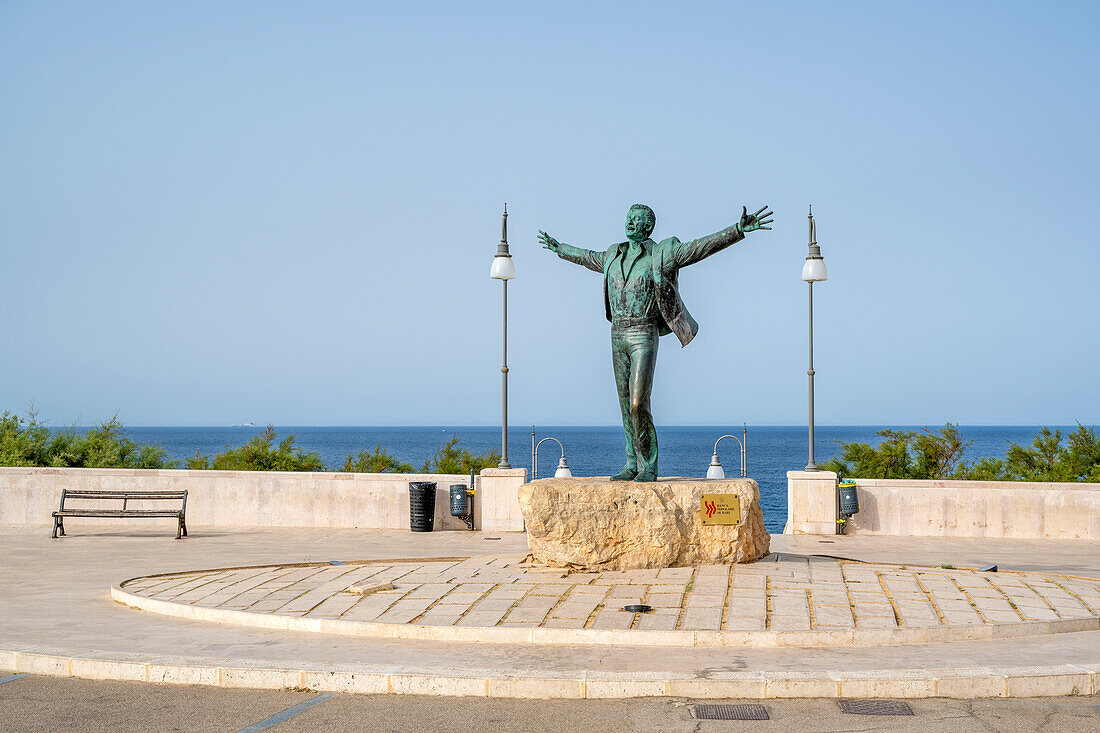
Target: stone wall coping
(660, 480)
(959, 484)
(180, 472)
(504, 472)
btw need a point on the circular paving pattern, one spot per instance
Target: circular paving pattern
(782, 600)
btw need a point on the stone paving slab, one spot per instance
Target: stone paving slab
(783, 600)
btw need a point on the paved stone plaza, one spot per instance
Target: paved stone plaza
(60, 620)
(774, 601)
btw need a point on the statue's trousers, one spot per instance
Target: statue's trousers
(634, 355)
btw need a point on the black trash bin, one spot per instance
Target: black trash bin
(421, 506)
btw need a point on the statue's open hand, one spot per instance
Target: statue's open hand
(549, 242)
(752, 222)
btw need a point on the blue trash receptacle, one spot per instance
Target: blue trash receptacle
(849, 499)
(460, 500)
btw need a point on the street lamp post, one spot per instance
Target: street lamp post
(813, 271)
(504, 270)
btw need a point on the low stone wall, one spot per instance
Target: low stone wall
(977, 509)
(946, 508)
(267, 499)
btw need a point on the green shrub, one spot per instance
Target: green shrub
(23, 443)
(378, 461)
(31, 442)
(939, 455)
(1048, 458)
(904, 454)
(452, 459)
(260, 454)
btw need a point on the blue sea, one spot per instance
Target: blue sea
(590, 451)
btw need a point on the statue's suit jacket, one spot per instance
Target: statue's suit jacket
(667, 257)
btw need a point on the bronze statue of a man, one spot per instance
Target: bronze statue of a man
(642, 302)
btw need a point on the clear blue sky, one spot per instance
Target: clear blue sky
(285, 212)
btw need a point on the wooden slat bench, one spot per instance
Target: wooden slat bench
(124, 512)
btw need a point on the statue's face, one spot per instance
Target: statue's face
(637, 225)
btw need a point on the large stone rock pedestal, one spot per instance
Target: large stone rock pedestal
(597, 524)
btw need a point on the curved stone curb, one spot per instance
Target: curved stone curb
(973, 682)
(629, 637)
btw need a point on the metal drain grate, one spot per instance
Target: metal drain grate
(875, 707)
(731, 712)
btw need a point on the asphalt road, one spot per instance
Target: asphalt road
(33, 703)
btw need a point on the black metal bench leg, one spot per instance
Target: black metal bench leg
(54, 534)
(179, 529)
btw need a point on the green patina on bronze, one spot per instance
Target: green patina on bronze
(642, 302)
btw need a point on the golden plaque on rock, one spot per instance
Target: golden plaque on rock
(720, 508)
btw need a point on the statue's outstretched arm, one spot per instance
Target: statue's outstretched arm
(591, 259)
(688, 253)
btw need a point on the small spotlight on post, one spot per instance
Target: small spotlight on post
(715, 469)
(563, 467)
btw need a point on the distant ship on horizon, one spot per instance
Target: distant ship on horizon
(244, 425)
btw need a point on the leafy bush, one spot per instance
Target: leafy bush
(260, 454)
(1048, 458)
(378, 461)
(939, 455)
(23, 443)
(452, 459)
(31, 442)
(904, 454)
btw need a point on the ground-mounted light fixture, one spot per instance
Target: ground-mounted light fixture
(563, 467)
(715, 469)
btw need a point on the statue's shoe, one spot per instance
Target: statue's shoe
(627, 474)
(646, 476)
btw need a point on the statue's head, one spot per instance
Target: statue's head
(640, 220)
